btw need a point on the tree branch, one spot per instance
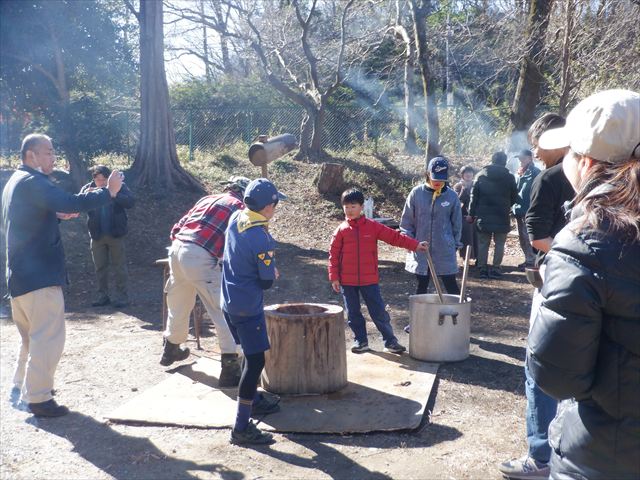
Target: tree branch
(306, 47)
(131, 8)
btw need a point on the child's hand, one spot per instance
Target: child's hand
(469, 219)
(336, 286)
(423, 246)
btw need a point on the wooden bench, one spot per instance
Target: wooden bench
(196, 313)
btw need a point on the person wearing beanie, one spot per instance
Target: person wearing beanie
(432, 213)
(492, 195)
(249, 268)
(584, 344)
(194, 261)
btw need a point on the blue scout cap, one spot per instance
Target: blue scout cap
(260, 193)
(438, 169)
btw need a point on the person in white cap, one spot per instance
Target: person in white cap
(584, 345)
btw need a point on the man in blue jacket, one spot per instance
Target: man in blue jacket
(107, 229)
(32, 207)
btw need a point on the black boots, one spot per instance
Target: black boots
(230, 373)
(48, 409)
(173, 353)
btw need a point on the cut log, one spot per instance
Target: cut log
(307, 352)
(331, 178)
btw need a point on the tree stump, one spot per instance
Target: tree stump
(331, 178)
(307, 352)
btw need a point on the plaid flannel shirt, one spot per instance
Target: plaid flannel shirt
(206, 223)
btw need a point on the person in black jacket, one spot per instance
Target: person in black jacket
(544, 219)
(107, 228)
(493, 192)
(584, 345)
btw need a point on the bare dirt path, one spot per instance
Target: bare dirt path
(477, 417)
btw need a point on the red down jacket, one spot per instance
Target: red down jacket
(353, 257)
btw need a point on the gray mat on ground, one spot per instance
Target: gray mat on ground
(385, 392)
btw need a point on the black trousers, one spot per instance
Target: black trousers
(449, 281)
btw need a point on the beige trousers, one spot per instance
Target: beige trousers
(39, 316)
(194, 271)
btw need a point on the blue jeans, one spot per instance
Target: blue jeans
(541, 408)
(377, 311)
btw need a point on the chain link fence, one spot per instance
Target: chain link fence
(462, 132)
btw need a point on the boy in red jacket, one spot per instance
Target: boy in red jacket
(353, 270)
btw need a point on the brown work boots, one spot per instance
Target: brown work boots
(230, 373)
(173, 353)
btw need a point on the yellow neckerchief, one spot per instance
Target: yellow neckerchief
(436, 193)
(248, 219)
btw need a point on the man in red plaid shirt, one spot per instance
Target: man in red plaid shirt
(196, 250)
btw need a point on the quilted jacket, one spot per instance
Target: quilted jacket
(353, 256)
(584, 345)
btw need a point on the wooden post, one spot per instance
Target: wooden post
(307, 352)
(331, 178)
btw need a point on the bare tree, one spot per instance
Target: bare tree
(309, 84)
(531, 77)
(403, 35)
(204, 16)
(420, 9)
(588, 57)
(156, 162)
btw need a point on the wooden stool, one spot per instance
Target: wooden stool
(196, 313)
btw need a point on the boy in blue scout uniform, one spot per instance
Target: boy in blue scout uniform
(248, 268)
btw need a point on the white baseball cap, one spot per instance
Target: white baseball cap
(604, 126)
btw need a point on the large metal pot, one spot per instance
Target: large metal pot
(440, 332)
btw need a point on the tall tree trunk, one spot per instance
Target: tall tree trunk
(419, 11)
(565, 81)
(409, 139)
(318, 130)
(66, 128)
(156, 164)
(224, 42)
(531, 78)
(311, 132)
(403, 36)
(205, 44)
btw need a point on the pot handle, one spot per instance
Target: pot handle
(454, 317)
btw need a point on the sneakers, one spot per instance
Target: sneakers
(395, 347)
(48, 409)
(173, 353)
(407, 328)
(495, 273)
(101, 302)
(525, 468)
(266, 405)
(252, 435)
(360, 347)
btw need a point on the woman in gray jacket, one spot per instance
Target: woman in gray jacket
(432, 212)
(584, 345)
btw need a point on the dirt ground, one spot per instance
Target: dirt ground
(477, 407)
